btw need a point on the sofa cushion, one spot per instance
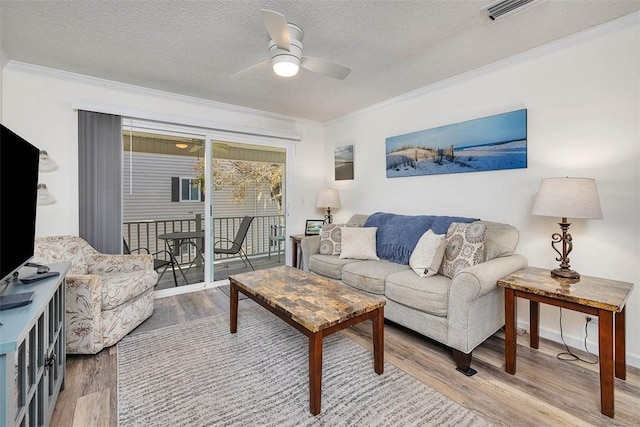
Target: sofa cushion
(358, 243)
(465, 247)
(328, 265)
(330, 239)
(428, 294)
(427, 256)
(501, 240)
(357, 220)
(54, 249)
(398, 234)
(370, 275)
(121, 287)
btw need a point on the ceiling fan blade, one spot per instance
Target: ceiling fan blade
(277, 28)
(195, 148)
(255, 67)
(324, 67)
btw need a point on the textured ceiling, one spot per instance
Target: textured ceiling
(194, 47)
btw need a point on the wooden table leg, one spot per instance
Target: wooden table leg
(378, 341)
(294, 254)
(620, 347)
(233, 313)
(534, 324)
(510, 330)
(315, 373)
(605, 348)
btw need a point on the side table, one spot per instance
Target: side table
(591, 295)
(296, 254)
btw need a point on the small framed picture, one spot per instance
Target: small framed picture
(313, 227)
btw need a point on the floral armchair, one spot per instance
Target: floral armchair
(107, 295)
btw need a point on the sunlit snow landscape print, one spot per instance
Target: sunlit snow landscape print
(490, 143)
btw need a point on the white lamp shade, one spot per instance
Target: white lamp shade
(568, 198)
(328, 198)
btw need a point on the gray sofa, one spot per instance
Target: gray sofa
(459, 312)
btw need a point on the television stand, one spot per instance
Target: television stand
(33, 353)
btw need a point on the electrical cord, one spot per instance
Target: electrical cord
(569, 355)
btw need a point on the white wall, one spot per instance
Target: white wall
(38, 106)
(583, 120)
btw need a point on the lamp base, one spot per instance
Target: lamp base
(565, 273)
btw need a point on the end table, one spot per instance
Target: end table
(591, 295)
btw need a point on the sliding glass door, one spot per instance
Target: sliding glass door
(247, 186)
(185, 193)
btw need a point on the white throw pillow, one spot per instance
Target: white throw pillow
(359, 242)
(427, 255)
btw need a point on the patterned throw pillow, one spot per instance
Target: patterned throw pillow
(330, 239)
(359, 243)
(465, 247)
(427, 256)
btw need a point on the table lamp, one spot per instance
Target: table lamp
(567, 198)
(328, 198)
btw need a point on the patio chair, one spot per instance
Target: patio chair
(234, 247)
(276, 238)
(158, 263)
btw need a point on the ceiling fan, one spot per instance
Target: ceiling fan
(285, 48)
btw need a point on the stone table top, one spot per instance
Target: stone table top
(312, 301)
(588, 291)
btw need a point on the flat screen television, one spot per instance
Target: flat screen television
(18, 196)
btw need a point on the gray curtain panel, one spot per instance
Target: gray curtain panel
(99, 176)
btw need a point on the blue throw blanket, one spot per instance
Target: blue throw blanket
(398, 234)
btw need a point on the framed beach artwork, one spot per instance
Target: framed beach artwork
(313, 227)
(486, 144)
(343, 162)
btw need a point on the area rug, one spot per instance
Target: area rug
(226, 289)
(199, 374)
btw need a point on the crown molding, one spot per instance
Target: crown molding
(613, 26)
(141, 90)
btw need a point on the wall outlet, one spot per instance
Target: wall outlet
(591, 319)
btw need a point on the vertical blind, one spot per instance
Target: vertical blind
(99, 177)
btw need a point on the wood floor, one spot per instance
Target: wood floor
(544, 392)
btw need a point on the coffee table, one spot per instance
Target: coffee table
(315, 306)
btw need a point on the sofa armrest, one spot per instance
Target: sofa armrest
(310, 246)
(476, 302)
(476, 281)
(83, 313)
(108, 263)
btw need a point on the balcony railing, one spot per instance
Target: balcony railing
(145, 234)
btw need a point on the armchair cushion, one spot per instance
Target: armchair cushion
(108, 263)
(121, 287)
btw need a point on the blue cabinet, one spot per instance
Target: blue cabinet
(32, 352)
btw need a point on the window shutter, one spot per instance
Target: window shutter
(175, 189)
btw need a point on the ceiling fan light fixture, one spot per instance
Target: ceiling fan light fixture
(182, 145)
(285, 65)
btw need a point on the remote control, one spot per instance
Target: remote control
(15, 300)
(36, 277)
